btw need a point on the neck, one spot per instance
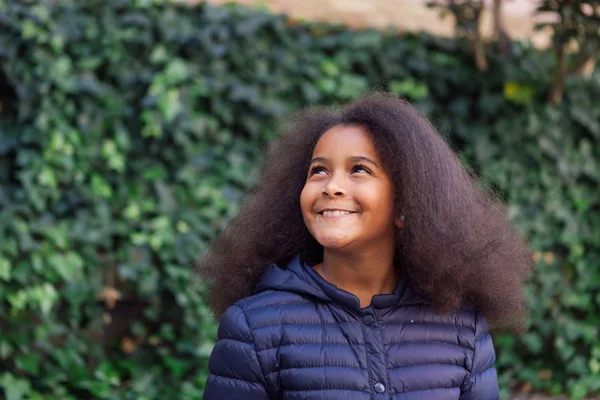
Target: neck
(364, 274)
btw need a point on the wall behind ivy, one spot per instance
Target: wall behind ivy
(130, 132)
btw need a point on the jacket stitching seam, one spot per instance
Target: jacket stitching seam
(354, 322)
(277, 305)
(303, 323)
(362, 328)
(407, 322)
(253, 345)
(482, 337)
(484, 371)
(470, 373)
(427, 363)
(238, 340)
(321, 367)
(327, 390)
(235, 379)
(305, 343)
(429, 342)
(430, 389)
(385, 356)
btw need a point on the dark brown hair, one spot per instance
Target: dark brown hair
(457, 245)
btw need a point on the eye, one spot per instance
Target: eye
(360, 167)
(316, 170)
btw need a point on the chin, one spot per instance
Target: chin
(333, 241)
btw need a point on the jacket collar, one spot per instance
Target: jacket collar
(299, 277)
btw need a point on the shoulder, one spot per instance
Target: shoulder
(474, 320)
(268, 299)
(478, 330)
(268, 308)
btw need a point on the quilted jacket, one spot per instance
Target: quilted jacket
(300, 337)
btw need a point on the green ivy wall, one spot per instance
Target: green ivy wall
(130, 131)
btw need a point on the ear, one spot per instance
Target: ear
(399, 222)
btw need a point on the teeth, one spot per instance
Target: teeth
(336, 212)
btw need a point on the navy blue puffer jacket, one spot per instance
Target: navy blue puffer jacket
(300, 337)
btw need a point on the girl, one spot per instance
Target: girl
(364, 266)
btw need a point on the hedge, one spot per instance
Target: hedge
(130, 132)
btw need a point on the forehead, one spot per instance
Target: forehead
(342, 139)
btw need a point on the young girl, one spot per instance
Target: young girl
(364, 266)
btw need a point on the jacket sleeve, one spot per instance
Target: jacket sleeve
(234, 370)
(482, 382)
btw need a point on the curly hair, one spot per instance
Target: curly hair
(457, 245)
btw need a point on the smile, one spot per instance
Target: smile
(335, 213)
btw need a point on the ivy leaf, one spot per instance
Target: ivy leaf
(14, 388)
(4, 269)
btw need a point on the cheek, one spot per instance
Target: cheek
(382, 201)
(305, 201)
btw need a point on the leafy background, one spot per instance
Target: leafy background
(130, 132)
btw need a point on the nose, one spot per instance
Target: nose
(334, 188)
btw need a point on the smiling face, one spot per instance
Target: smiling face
(348, 199)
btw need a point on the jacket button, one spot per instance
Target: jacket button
(368, 319)
(379, 388)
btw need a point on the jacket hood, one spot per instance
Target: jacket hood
(300, 278)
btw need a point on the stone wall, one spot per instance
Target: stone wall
(405, 15)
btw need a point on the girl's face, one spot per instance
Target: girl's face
(348, 199)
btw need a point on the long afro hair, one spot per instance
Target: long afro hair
(457, 245)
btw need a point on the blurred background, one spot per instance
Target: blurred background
(132, 130)
(518, 16)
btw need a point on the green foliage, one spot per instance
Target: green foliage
(465, 12)
(574, 26)
(575, 38)
(130, 132)
(577, 23)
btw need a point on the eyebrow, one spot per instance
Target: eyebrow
(353, 159)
